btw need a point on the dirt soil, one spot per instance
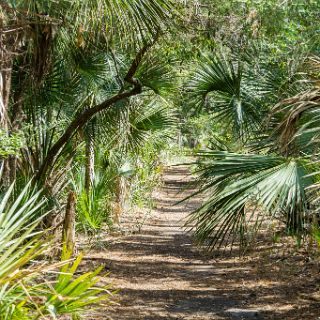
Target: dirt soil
(160, 274)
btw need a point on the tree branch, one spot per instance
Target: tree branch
(87, 114)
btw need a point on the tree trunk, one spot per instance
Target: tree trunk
(5, 87)
(9, 43)
(89, 169)
(120, 200)
(69, 233)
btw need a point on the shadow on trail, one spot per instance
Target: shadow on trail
(162, 275)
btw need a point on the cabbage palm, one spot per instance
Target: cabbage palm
(280, 182)
(230, 88)
(245, 189)
(118, 145)
(48, 31)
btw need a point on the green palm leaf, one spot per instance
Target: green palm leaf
(135, 19)
(239, 183)
(227, 89)
(71, 294)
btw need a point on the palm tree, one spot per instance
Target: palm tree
(247, 188)
(75, 65)
(45, 34)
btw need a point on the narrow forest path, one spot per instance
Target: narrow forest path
(161, 275)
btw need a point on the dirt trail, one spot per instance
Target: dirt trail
(161, 275)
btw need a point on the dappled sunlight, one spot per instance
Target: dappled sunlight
(159, 160)
(161, 268)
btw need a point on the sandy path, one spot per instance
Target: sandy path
(161, 275)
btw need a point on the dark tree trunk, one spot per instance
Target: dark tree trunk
(6, 71)
(10, 42)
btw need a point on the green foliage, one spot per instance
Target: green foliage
(68, 57)
(239, 79)
(22, 295)
(261, 96)
(10, 145)
(203, 130)
(19, 244)
(147, 174)
(70, 294)
(277, 181)
(94, 206)
(18, 240)
(236, 90)
(239, 184)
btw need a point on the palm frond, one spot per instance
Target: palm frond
(156, 75)
(223, 87)
(300, 126)
(70, 294)
(18, 244)
(240, 183)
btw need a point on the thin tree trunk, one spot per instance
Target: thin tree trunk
(9, 43)
(69, 233)
(6, 83)
(17, 114)
(120, 200)
(89, 169)
(5, 87)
